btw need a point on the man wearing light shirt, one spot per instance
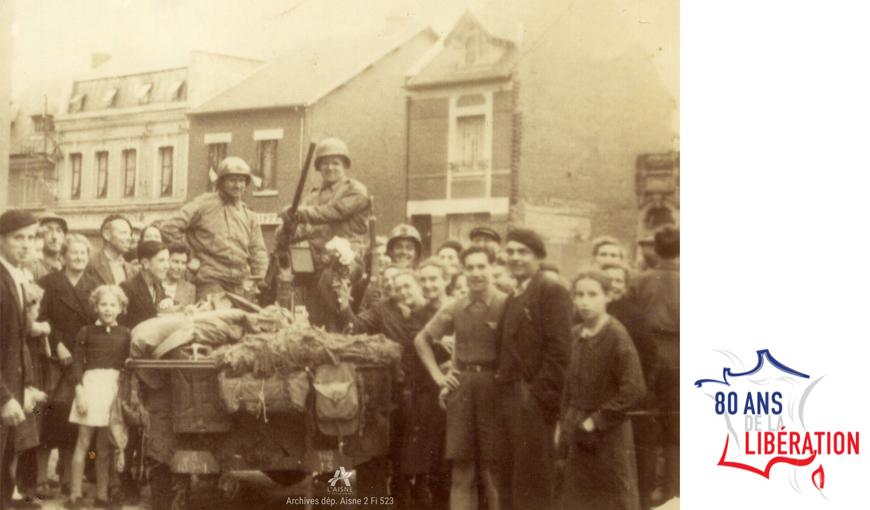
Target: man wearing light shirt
(17, 234)
(474, 432)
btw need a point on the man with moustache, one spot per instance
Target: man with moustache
(17, 234)
(223, 234)
(534, 338)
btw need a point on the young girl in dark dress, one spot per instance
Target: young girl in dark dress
(98, 357)
(603, 381)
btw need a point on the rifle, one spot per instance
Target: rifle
(288, 227)
(372, 262)
(280, 258)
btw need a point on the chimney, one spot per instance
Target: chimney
(98, 59)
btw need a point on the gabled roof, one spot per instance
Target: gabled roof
(307, 74)
(438, 66)
(496, 23)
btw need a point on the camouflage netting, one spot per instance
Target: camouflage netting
(297, 347)
(261, 344)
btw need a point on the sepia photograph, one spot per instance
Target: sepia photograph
(315, 254)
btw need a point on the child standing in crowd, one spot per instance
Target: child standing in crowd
(98, 357)
(603, 381)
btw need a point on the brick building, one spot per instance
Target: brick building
(535, 114)
(350, 88)
(121, 134)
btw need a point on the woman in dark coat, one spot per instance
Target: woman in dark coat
(65, 307)
(603, 381)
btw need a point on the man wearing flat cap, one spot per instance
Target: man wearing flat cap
(54, 230)
(17, 234)
(486, 237)
(534, 337)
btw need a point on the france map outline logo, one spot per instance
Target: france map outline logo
(772, 397)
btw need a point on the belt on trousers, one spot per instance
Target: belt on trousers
(476, 367)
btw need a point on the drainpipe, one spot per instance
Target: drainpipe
(407, 153)
(514, 214)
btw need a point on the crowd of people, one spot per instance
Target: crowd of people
(520, 388)
(524, 390)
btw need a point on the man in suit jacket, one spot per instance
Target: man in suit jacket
(17, 233)
(534, 338)
(108, 265)
(145, 290)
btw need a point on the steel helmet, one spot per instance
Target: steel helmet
(233, 166)
(331, 147)
(405, 231)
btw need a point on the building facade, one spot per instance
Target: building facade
(7, 10)
(122, 138)
(33, 150)
(534, 116)
(348, 88)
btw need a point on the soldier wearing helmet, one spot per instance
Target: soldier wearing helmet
(223, 233)
(404, 250)
(340, 206)
(405, 246)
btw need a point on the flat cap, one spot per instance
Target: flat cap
(15, 219)
(485, 231)
(51, 217)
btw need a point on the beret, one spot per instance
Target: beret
(531, 239)
(15, 219)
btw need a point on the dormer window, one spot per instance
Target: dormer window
(77, 103)
(110, 98)
(143, 93)
(179, 90)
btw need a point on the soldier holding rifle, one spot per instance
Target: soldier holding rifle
(339, 207)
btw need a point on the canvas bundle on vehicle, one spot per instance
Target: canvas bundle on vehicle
(263, 365)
